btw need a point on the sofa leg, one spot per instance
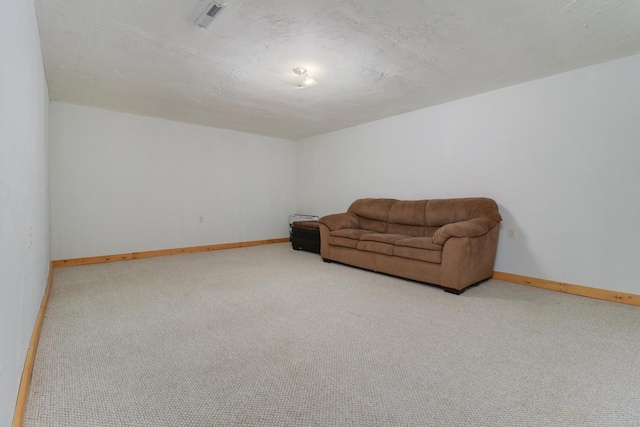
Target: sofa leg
(327, 260)
(453, 290)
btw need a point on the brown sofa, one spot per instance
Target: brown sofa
(446, 242)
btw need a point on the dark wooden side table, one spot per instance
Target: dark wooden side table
(305, 235)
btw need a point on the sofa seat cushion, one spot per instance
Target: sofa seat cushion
(418, 248)
(377, 247)
(347, 237)
(379, 242)
(384, 238)
(419, 243)
(351, 233)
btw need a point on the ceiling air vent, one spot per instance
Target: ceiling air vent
(209, 13)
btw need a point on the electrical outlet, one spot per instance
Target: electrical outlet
(512, 233)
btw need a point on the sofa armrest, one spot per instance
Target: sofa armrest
(471, 228)
(340, 221)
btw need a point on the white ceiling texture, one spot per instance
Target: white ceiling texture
(370, 58)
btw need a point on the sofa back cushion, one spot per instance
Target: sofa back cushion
(420, 217)
(408, 212)
(441, 212)
(373, 213)
(376, 209)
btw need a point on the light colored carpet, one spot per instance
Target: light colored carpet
(267, 336)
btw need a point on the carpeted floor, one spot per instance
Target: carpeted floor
(267, 336)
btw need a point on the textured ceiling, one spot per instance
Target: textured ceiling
(372, 58)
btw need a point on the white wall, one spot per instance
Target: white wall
(122, 183)
(560, 155)
(24, 223)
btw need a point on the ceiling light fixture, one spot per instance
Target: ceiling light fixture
(304, 79)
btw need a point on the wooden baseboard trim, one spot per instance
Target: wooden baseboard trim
(568, 288)
(162, 252)
(27, 372)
